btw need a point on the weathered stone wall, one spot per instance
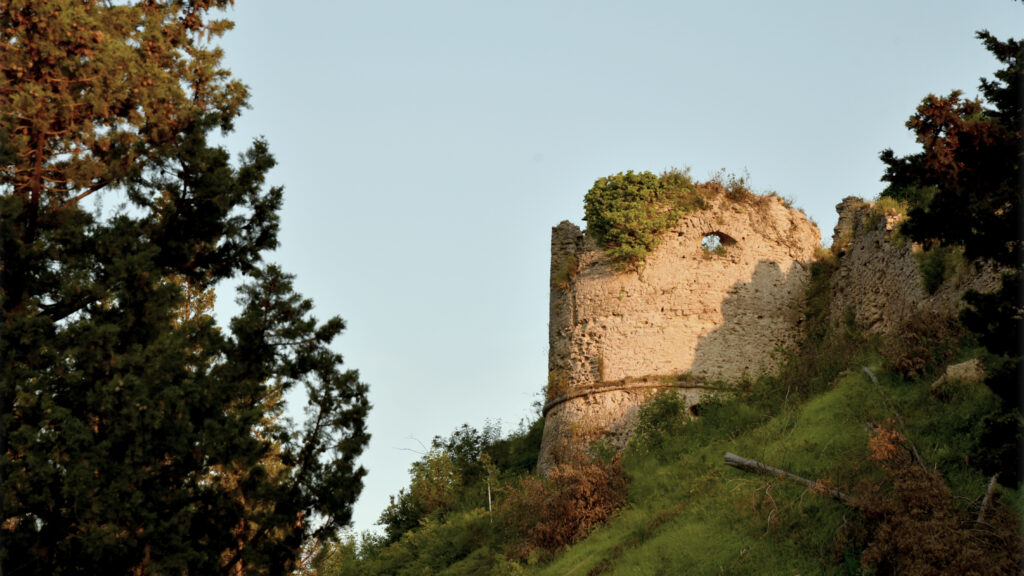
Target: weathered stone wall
(878, 281)
(614, 335)
(615, 338)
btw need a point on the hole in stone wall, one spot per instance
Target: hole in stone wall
(711, 242)
(716, 243)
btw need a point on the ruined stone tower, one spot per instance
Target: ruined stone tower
(689, 316)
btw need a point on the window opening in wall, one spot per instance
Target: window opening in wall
(716, 244)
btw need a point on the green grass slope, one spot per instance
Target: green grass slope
(908, 457)
(689, 513)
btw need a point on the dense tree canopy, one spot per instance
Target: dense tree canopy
(965, 188)
(138, 437)
(964, 185)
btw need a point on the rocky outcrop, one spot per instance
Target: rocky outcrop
(969, 372)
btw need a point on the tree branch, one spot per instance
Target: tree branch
(95, 187)
(760, 468)
(986, 502)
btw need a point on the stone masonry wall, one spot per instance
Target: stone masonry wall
(878, 281)
(615, 337)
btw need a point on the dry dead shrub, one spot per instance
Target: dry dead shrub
(921, 344)
(548, 513)
(916, 528)
(886, 445)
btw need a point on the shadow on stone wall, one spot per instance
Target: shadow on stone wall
(759, 317)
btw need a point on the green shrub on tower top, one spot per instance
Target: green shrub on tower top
(627, 212)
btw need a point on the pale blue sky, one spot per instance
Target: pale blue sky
(427, 148)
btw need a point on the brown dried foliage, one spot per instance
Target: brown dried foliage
(916, 528)
(549, 513)
(886, 445)
(922, 344)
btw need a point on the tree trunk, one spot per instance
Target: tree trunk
(748, 465)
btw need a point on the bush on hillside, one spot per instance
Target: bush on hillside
(659, 419)
(917, 529)
(922, 344)
(453, 474)
(548, 514)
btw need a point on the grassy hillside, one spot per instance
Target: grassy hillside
(906, 456)
(689, 513)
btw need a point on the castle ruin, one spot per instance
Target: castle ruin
(719, 296)
(878, 284)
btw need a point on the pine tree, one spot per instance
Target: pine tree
(132, 441)
(965, 188)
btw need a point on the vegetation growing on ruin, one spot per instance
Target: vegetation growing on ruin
(937, 264)
(627, 212)
(886, 207)
(835, 413)
(928, 476)
(564, 276)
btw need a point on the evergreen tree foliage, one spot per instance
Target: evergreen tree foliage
(966, 189)
(964, 186)
(138, 436)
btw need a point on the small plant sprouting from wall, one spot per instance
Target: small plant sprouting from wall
(737, 188)
(680, 379)
(564, 276)
(558, 384)
(938, 264)
(884, 208)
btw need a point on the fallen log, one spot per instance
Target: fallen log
(987, 500)
(748, 465)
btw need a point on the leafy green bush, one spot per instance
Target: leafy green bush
(452, 476)
(517, 453)
(938, 264)
(911, 195)
(558, 384)
(661, 418)
(627, 212)
(885, 207)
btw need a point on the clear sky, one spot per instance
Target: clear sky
(427, 148)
